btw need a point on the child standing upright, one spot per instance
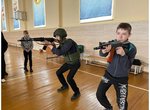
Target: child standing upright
(27, 46)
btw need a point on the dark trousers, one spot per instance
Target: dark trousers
(121, 87)
(3, 69)
(27, 55)
(73, 69)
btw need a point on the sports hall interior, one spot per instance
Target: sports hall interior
(38, 91)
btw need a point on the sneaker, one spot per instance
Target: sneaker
(6, 74)
(25, 70)
(31, 70)
(63, 88)
(3, 80)
(75, 96)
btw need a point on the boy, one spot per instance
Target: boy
(67, 48)
(118, 68)
(27, 50)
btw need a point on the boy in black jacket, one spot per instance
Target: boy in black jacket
(68, 48)
(118, 68)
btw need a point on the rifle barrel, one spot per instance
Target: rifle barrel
(41, 39)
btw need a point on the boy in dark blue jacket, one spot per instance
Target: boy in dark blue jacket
(118, 68)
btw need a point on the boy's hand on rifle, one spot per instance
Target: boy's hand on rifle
(107, 49)
(120, 51)
(51, 46)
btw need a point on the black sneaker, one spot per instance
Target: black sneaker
(63, 88)
(6, 74)
(25, 70)
(31, 70)
(75, 96)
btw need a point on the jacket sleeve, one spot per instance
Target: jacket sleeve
(31, 45)
(128, 58)
(22, 44)
(62, 49)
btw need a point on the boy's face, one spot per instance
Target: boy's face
(25, 34)
(122, 35)
(58, 38)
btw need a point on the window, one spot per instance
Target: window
(15, 7)
(39, 13)
(95, 10)
(3, 16)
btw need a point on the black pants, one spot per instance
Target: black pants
(3, 71)
(73, 69)
(27, 55)
(121, 87)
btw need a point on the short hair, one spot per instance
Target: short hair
(125, 26)
(25, 32)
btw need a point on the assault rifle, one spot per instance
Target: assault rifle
(40, 39)
(113, 43)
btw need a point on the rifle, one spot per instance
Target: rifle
(41, 39)
(113, 43)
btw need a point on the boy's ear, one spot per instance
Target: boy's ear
(130, 34)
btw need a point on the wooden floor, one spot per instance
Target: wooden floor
(38, 91)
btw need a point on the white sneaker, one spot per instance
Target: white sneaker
(3, 80)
